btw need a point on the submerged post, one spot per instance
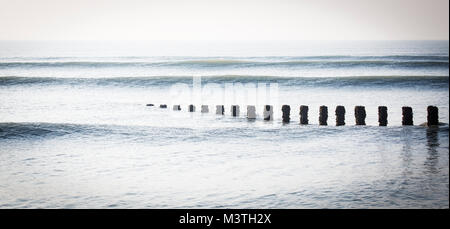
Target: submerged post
(432, 116)
(191, 108)
(176, 107)
(304, 114)
(286, 109)
(251, 112)
(268, 112)
(340, 115)
(360, 115)
(407, 119)
(220, 109)
(323, 115)
(382, 116)
(205, 109)
(235, 110)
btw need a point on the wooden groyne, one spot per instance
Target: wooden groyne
(382, 116)
(359, 113)
(251, 112)
(340, 116)
(323, 115)
(286, 109)
(235, 110)
(407, 116)
(268, 112)
(304, 114)
(220, 109)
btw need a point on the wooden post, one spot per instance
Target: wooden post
(360, 115)
(191, 108)
(323, 115)
(382, 116)
(407, 119)
(251, 112)
(432, 116)
(205, 109)
(176, 107)
(286, 109)
(304, 114)
(235, 110)
(340, 115)
(268, 112)
(220, 109)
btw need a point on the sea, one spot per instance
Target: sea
(77, 129)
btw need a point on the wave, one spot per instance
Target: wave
(33, 130)
(167, 81)
(149, 134)
(231, 62)
(43, 130)
(257, 58)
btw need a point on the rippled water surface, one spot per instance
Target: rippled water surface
(75, 131)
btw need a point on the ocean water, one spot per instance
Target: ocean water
(75, 131)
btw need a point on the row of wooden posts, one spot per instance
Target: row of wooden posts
(360, 114)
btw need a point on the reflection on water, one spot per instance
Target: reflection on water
(432, 145)
(406, 152)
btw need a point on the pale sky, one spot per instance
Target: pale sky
(224, 20)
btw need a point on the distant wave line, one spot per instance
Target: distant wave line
(166, 81)
(243, 63)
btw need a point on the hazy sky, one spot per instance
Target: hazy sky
(224, 20)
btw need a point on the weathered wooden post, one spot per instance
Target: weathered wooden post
(360, 115)
(340, 115)
(432, 116)
(382, 116)
(191, 108)
(163, 106)
(407, 119)
(205, 109)
(323, 115)
(304, 114)
(268, 112)
(176, 107)
(220, 109)
(251, 112)
(286, 109)
(235, 110)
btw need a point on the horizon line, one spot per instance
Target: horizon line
(189, 40)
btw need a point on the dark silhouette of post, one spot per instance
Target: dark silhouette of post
(304, 114)
(176, 107)
(382, 116)
(235, 110)
(286, 109)
(432, 116)
(251, 112)
(340, 115)
(323, 115)
(360, 115)
(268, 112)
(407, 119)
(205, 109)
(220, 109)
(191, 108)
